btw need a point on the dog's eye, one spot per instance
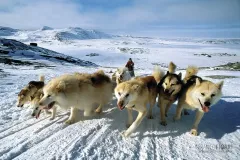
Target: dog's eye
(119, 93)
(48, 96)
(36, 108)
(202, 94)
(127, 95)
(165, 83)
(212, 95)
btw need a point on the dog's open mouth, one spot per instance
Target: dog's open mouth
(204, 108)
(171, 92)
(121, 106)
(20, 105)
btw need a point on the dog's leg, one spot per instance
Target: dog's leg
(72, 116)
(99, 109)
(47, 112)
(135, 124)
(178, 111)
(152, 103)
(130, 118)
(88, 112)
(167, 108)
(198, 118)
(162, 114)
(54, 109)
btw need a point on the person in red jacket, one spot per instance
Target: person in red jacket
(130, 66)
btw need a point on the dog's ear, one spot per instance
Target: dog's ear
(180, 75)
(37, 84)
(135, 87)
(61, 86)
(198, 82)
(220, 85)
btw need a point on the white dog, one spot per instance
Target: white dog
(78, 91)
(122, 75)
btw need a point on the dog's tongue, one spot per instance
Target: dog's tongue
(205, 109)
(120, 107)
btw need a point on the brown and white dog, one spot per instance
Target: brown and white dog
(32, 93)
(26, 95)
(198, 94)
(135, 94)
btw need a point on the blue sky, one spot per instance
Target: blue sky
(140, 17)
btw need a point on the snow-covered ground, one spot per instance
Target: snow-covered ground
(24, 137)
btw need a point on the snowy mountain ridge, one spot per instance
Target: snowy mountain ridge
(49, 34)
(12, 50)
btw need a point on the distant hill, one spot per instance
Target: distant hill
(50, 34)
(12, 50)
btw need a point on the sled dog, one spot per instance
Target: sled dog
(79, 91)
(169, 89)
(198, 94)
(135, 94)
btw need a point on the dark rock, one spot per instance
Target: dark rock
(33, 44)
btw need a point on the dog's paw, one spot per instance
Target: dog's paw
(176, 118)
(193, 132)
(163, 123)
(52, 118)
(124, 134)
(150, 117)
(98, 111)
(69, 121)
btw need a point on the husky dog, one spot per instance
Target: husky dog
(27, 93)
(122, 75)
(199, 95)
(32, 93)
(135, 94)
(78, 91)
(169, 89)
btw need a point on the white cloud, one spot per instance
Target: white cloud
(39, 13)
(140, 15)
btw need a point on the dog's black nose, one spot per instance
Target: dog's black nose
(207, 104)
(166, 90)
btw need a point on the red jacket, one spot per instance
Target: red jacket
(130, 65)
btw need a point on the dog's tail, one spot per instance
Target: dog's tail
(41, 78)
(101, 72)
(190, 71)
(158, 73)
(172, 67)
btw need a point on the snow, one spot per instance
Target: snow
(23, 137)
